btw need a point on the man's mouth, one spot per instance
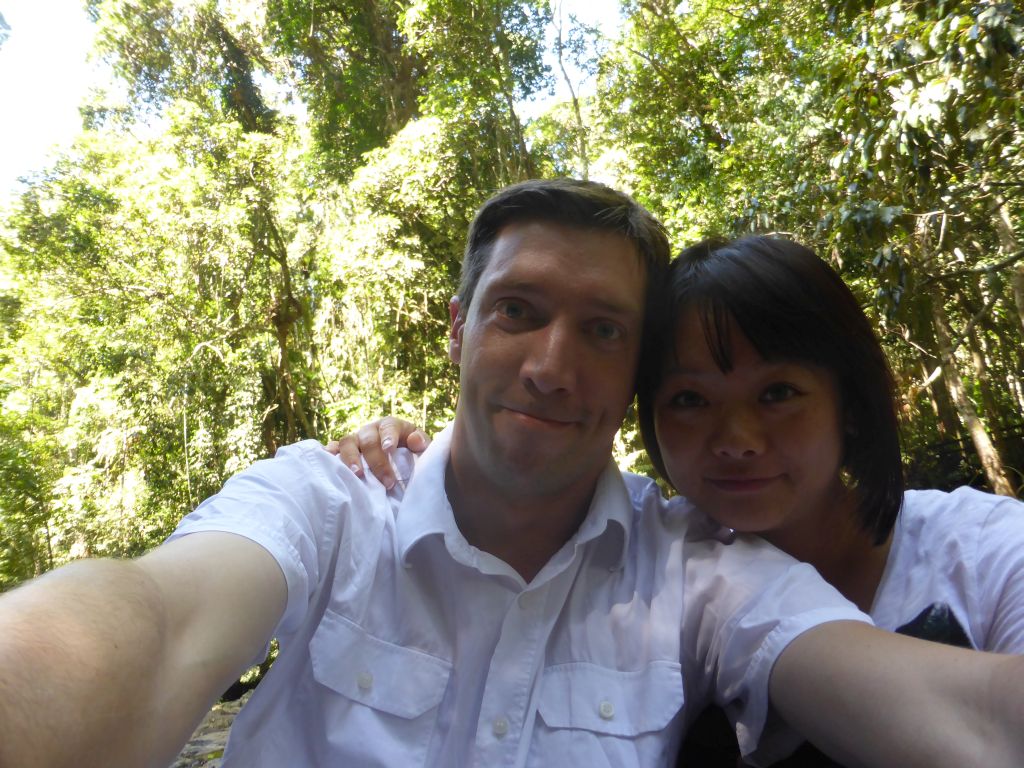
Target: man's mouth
(546, 419)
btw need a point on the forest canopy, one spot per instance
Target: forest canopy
(254, 240)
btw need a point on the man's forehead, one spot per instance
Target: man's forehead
(523, 249)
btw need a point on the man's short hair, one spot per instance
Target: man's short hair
(573, 202)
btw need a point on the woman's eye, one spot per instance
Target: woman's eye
(687, 399)
(607, 331)
(780, 392)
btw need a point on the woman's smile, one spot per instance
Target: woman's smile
(757, 447)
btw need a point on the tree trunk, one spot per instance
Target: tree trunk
(948, 424)
(980, 363)
(1017, 282)
(993, 413)
(991, 462)
(525, 167)
(399, 64)
(581, 129)
(1007, 245)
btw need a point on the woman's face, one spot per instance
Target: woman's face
(759, 448)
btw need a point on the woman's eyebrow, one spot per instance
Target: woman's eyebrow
(675, 369)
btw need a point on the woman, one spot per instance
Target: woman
(774, 412)
(769, 404)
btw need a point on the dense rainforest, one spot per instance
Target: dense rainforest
(254, 238)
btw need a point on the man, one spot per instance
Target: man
(516, 605)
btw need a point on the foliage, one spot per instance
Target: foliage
(259, 244)
(887, 136)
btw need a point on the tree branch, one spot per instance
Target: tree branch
(1013, 258)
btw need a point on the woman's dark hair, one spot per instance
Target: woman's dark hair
(792, 306)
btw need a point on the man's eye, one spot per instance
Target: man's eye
(607, 331)
(780, 392)
(687, 399)
(513, 310)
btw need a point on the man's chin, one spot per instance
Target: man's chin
(531, 471)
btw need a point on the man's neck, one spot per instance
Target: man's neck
(522, 530)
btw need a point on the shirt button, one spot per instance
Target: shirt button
(364, 681)
(606, 710)
(500, 726)
(524, 600)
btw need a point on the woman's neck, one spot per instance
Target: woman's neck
(842, 552)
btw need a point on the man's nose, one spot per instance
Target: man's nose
(551, 360)
(739, 433)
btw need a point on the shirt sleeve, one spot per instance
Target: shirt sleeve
(1000, 574)
(294, 506)
(752, 602)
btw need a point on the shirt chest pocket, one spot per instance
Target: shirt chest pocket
(376, 693)
(607, 716)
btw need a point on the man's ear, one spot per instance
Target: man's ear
(455, 334)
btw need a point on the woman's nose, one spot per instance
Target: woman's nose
(739, 434)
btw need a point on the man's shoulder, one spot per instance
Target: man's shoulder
(645, 494)
(298, 495)
(669, 516)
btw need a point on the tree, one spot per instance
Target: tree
(928, 107)
(207, 274)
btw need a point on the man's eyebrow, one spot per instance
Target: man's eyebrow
(535, 287)
(616, 307)
(514, 284)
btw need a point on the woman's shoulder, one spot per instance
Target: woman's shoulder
(960, 502)
(951, 514)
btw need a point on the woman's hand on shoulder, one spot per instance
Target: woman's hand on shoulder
(375, 443)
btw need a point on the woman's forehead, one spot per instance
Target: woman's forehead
(711, 330)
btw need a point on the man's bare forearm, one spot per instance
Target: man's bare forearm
(113, 663)
(80, 671)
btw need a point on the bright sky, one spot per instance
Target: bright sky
(45, 75)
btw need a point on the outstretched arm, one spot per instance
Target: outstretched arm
(873, 698)
(114, 663)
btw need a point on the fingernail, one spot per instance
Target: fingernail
(356, 469)
(386, 443)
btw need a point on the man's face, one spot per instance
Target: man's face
(548, 353)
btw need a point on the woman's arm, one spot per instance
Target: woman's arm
(375, 442)
(874, 698)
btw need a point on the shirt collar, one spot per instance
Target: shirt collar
(425, 510)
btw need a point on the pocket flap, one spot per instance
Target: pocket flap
(611, 701)
(387, 677)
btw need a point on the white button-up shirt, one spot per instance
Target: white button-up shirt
(403, 645)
